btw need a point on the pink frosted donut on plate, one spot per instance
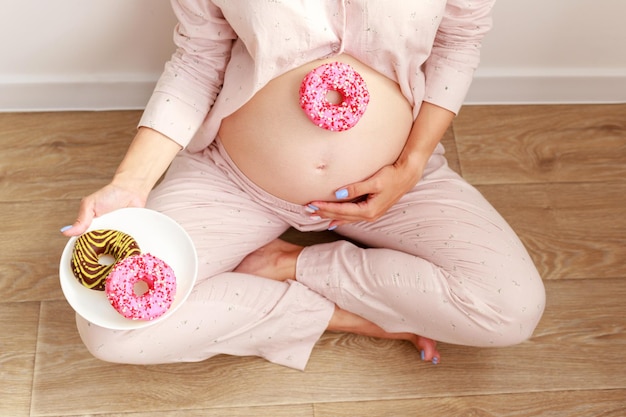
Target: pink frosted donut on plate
(340, 77)
(159, 277)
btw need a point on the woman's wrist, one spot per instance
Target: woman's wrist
(147, 158)
(411, 164)
(134, 184)
(428, 129)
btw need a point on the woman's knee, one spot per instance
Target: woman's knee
(520, 311)
(495, 312)
(104, 344)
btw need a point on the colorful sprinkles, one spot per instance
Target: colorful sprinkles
(159, 277)
(339, 77)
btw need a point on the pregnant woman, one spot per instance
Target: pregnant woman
(319, 116)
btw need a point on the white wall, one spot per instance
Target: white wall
(82, 54)
(554, 51)
(103, 54)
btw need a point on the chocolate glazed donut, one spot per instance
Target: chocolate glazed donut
(91, 246)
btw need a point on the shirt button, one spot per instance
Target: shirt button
(335, 47)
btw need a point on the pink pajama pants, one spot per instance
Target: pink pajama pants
(442, 263)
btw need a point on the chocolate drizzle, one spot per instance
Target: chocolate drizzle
(91, 246)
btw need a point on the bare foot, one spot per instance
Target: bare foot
(276, 260)
(345, 321)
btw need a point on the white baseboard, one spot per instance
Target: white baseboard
(489, 87)
(75, 95)
(497, 87)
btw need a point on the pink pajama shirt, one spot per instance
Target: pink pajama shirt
(442, 263)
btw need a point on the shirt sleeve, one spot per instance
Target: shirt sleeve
(193, 76)
(456, 52)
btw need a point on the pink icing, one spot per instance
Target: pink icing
(339, 77)
(161, 281)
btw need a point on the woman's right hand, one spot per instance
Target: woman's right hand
(107, 199)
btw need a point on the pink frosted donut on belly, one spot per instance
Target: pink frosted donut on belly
(161, 281)
(340, 77)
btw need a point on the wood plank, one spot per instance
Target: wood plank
(58, 129)
(66, 155)
(570, 230)
(528, 144)
(18, 339)
(579, 345)
(537, 404)
(304, 410)
(31, 247)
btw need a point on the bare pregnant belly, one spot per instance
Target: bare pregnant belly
(273, 142)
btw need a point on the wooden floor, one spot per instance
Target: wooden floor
(557, 173)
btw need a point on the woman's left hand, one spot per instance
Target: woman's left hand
(371, 198)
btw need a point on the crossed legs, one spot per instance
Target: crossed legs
(277, 261)
(442, 264)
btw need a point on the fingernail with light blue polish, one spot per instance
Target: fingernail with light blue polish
(331, 228)
(343, 193)
(435, 361)
(311, 208)
(64, 228)
(422, 354)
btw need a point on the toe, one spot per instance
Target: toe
(429, 351)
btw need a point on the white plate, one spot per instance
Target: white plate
(156, 234)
